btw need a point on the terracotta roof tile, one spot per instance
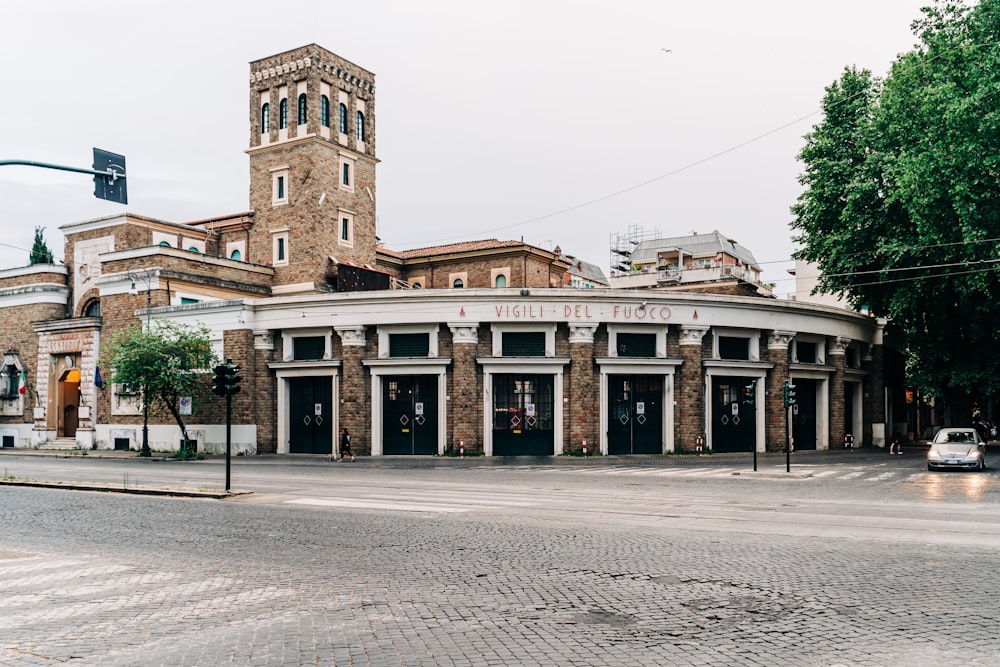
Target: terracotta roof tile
(464, 246)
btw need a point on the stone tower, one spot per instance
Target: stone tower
(312, 166)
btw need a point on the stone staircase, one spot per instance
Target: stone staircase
(59, 444)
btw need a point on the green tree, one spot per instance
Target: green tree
(166, 362)
(40, 253)
(901, 206)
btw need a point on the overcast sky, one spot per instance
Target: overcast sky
(561, 122)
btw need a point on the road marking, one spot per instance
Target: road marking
(881, 477)
(459, 497)
(376, 505)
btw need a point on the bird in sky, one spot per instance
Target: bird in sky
(666, 50)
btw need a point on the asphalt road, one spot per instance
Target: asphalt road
(854, 558)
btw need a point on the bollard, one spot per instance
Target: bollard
(584, 446)
(848, 441)
(461, 449)
(699, 441)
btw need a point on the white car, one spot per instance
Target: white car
(959, 448)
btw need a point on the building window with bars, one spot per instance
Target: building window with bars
(523, 343)
(636, 344)
(409, 345)
(308, 348)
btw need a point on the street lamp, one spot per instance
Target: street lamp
(146, 275)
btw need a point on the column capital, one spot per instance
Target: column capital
(464, 333)
(263, 340)
(582, 333)
(839, 345)
(352, 335)
(691, 334)
(780, 340)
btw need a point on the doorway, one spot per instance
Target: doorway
(635, 414)
(310, 415)
(734, 423)
(410, 414)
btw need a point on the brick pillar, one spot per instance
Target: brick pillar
(355, 390)
(838, 409)
(776, 415)
(583, 412)
(689, 394)
(266, 389)
(465, 411)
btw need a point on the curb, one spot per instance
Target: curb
(134, 490)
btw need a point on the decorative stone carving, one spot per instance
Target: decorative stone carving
(352, 336)
(263, 340)
(692, 334)
(466, 334)
(839, 345)
(780, 340)
(582, 333)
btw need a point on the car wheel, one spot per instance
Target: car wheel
(982, 464)
(930, 467)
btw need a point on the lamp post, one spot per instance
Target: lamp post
(145, 275)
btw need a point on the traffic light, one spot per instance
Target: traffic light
(750, 393)
(233, 379)
(110, 186)
(788, 392)
(219, 381)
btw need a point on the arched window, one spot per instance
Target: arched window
(302, 109)
(458, 284)
(342, 110)
(324, 111)
(265, 118)
(283, 114)
(501, 280)
(361, 126)
(192, 249)
(235, 255)
(165, 244)
(92, 309)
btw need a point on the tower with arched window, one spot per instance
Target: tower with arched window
(312, 167)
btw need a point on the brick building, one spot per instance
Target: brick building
(480, 343)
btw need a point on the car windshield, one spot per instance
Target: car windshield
(961, 437)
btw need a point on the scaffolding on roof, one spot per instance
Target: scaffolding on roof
(622, 245)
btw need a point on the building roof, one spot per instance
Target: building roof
(451, 248)
(585, 270)
(695, 244)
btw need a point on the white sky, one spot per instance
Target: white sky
(491, 117)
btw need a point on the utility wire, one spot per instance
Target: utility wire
(686, 167)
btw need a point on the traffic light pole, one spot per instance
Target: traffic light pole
(788, 439)
(229, 428)
(108, 172)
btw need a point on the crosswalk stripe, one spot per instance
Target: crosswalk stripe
(377, 505)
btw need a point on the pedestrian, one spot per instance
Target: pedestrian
(894, 443)
(345, 446)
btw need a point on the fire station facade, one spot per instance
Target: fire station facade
(475, 345)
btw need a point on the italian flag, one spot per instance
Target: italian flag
(22, 383)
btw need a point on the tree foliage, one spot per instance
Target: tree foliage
(901, 206)
(167, 361)
(40, 253)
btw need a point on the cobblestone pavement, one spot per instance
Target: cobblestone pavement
(509, 566)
